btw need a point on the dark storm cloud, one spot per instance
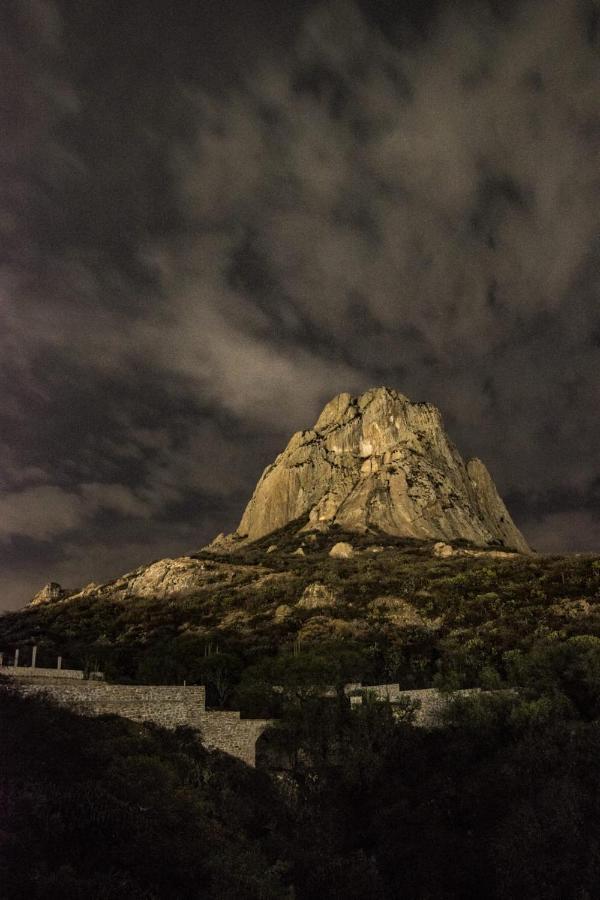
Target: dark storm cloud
(461, 207)
(213, 221)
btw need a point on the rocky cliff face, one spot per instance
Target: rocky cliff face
(380, 462)
(50, 593)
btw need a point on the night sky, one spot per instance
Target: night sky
(215, 215)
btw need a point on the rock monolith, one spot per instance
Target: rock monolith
(380, 462)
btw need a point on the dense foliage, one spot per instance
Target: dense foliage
(501, 801)
(103, 808)
(401, 615)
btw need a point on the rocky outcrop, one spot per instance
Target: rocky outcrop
(172, 578)
(50, 593)
(316, 595)
(380, 462)
(396, 610)
(441, 549)
(342, 550)
(167, 577)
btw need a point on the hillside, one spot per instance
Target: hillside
(499, 802)
(368, 546)
(496, 798)
(392, 611)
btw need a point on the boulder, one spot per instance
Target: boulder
(282, 612)
(316, 595)
(442, 549)
(167, 577)
(342, 550)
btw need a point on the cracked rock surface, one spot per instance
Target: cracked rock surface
(379, 461)
(50, 593)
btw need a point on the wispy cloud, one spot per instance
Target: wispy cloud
(47, 511)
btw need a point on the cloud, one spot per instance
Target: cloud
(40, 512)
(423, 214)
(358, 211)
(574, 531)
(115, 498)
(227, 351)
(195, 261)
(47, 511)
(13, 473)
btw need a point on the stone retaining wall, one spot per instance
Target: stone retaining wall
(431, 703)
(225, 730)
(167, 705)
(29, 671)
(172, 705)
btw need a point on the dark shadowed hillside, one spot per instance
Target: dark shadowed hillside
(501, 802)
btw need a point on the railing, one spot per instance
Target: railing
(14, 662)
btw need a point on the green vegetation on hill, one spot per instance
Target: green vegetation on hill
(501, 801)
(399, 614)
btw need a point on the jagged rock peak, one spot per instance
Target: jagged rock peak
(379, 461)
(50, 593)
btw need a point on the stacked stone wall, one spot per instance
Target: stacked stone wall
(29, 671)
(431, 702)
(171, 706)
(167, 705)
(226, 729)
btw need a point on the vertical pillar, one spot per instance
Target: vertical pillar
(33, 656)
(16, 657)
(1, 660)
(59, 663)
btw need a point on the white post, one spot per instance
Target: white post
(16, 657)
(33, 656)
(59, 663)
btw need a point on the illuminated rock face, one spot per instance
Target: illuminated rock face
(50, 593)
(380, 462)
